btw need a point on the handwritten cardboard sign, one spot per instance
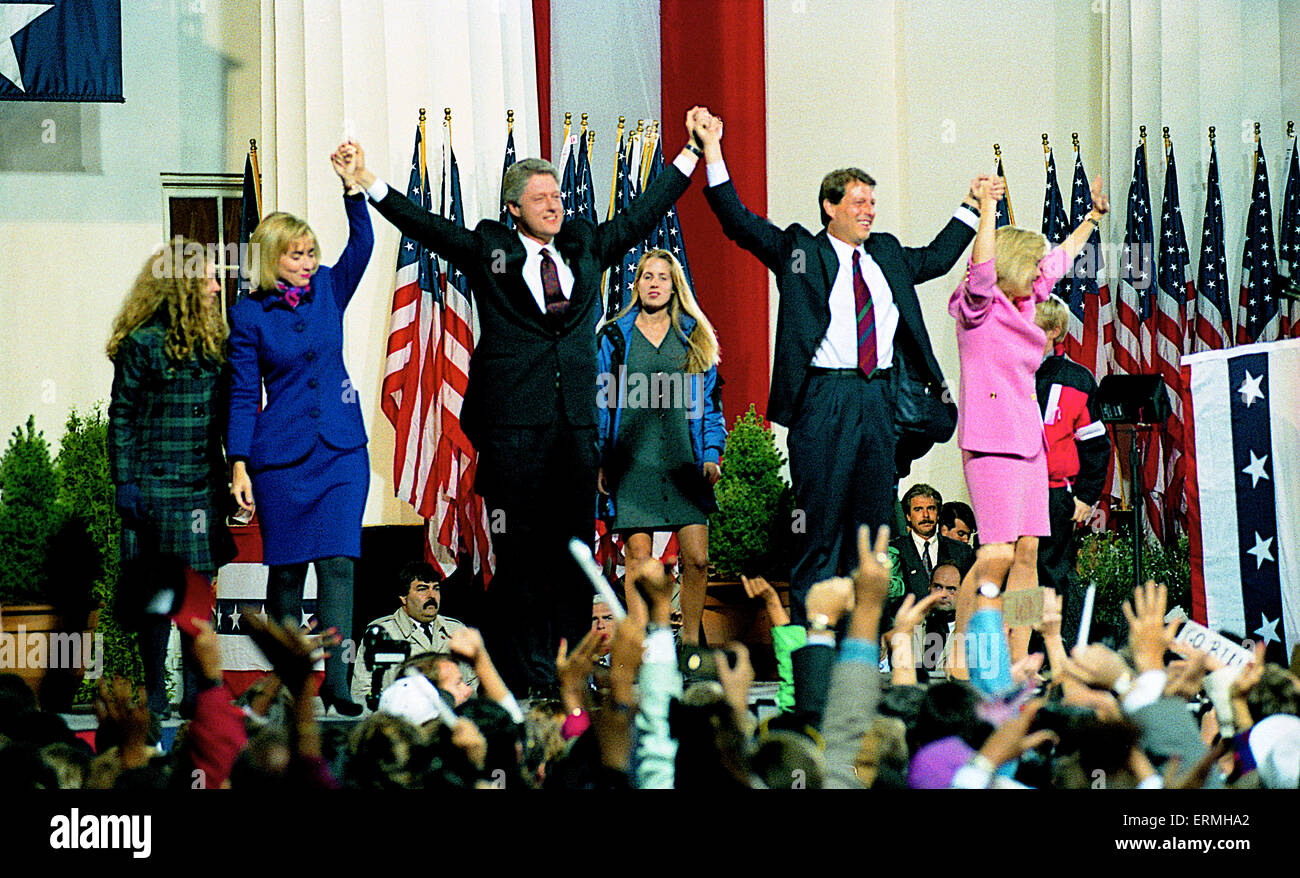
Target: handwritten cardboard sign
(1197, 636)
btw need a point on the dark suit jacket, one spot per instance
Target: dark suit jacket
(523, 357)
(805, 266)
(915, 580)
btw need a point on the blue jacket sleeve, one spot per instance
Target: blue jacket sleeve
(606, 390)
(245, 384)
(352, 263)
(990, 658)
(715, 425)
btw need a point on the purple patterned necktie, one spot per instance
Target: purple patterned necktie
(556, 304)
(866, 319)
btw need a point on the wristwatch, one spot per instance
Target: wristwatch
(819, 622)
(990, 590)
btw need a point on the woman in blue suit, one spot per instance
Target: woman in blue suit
(303, 456)
(660, 426)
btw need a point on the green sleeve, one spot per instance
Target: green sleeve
(785, 640)
(895, 574)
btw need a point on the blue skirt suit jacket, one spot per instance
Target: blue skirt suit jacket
(306, 449)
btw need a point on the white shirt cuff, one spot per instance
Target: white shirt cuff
(1151, 782)
(820, 638)
(377, 190)
(968, 216)
(659, 647)
(512, 707)
(717, 172)
(686, 164)
(1147, 689)
(970, 777)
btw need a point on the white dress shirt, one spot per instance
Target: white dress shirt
(839, 349)
(921, 547)
(533, 270)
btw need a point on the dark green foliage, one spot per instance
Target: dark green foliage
(86, 490)
(751, 533)
(29, 514)
(1107, 560)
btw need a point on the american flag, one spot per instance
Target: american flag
(1089, 300)
(412, 369)
(622, 276)
(1213, 319)
(1004, 215)
(667, 235)
(1258, 315)
(249, 216)
(459, 524)
(614, 277)
(1133, 352)
(507, 219)
(1243, 408)
(1288, 243)
(569, 177)
(584, 186)
(1174, 289)
(1136, 274)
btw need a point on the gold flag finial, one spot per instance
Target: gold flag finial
(1211, 135)
(1290, 129)
(510, 119)
(1257, 132)
(997, 151)
(1142, 133)
(423, 114)
(1046, 147)
(446, 115)
(1074, 136)
(584, 121)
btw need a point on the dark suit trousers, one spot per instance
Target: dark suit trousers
(842, 466)
(539, 484)
(1056, 559)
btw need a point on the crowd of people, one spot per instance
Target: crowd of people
(897, 665)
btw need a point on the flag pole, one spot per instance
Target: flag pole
(613, 182)
(568, 122)
(1168, 144)
(1074, 136)
(584, 124)
(424, 176)
(651, 138)
(1254, 164)
(510, 121)
(1142, 135)
(257, 173)
(997, 154)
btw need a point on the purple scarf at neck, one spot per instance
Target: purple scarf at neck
(292, 295)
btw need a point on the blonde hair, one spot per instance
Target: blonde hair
(173, 280)
(1052, 314)
(272, 237)
(1018, 254)
(702, 344)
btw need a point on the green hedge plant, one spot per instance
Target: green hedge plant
(751, 534)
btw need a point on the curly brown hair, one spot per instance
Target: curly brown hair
(173, 278)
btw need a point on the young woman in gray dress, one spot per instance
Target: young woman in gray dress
(660, 426)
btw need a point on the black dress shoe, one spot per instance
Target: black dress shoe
(345, 706)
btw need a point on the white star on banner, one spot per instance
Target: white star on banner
(1268, 630)
(1249, 388)
(234, 619)
(1256, 469)
(306, 617)
(13, 18)
(1262, 550)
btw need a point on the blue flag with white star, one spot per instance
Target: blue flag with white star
(61, 50)
(507, 219)
(1214, 315)
(583, 186)
(1004, 217)
(249, 217)
(1288, 245)
(1243, 509)
(1257, 311)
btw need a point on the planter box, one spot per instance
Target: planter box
(731, 615)
(35, 646)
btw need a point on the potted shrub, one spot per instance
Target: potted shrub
(86, 491)
(1106, 559)
(751, 534)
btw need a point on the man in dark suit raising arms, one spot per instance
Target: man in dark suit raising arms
(848, 312)
(530, 407)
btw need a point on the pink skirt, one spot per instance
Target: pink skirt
(1009, 495)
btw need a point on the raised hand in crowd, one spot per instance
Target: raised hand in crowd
(736, 682)
(831, 599)
(758, 588)
(1148, 635)
(618, 704)
(573, 670)
(902, 656)
(126, 707)
(870, 584)
(467, 643)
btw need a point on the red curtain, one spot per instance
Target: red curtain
(712, 55)
(542, 52)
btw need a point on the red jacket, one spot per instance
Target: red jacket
(1078, 449)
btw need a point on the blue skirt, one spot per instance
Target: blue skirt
(312, 509)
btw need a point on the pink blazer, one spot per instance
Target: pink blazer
(1000, 348)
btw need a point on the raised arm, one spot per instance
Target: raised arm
(442, 236)
(615, 237)
(936, 258)
(752, 232)
(1100, 207)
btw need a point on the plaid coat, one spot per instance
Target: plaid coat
(165, 424)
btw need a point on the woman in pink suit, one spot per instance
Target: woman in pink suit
(1000, 430)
